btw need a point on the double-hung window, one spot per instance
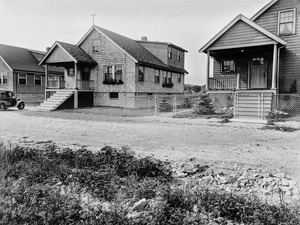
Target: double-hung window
(179, 78)
(228, 66)
(3, 78)
(156, 76)
(169, 77)
(178, 55)
(37, 79)
(286, 22)
(96, 45)
(22, 79)
(169, 52)
(141, 73)
(113, 74)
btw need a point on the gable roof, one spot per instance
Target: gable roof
(240, 17)
(75, 52)
(133, 49)
(258, 14)
(20, 59)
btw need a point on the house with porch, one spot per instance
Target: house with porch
(256, 58)
(21, 73)
(105, 67)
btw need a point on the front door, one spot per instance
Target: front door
(258, 76)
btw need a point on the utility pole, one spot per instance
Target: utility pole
(93, 15)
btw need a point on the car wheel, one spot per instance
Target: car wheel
(2, 106)
(21, 106)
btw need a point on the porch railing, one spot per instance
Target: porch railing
(224, 83)
(85, 84)
(57, 84)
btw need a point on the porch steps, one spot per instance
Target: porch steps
(54, 101)
(253, 105)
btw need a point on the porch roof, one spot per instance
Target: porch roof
(237, 34)
(72, 52)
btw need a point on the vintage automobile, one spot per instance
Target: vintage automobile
(8, 99)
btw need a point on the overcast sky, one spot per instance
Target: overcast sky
(190, 24)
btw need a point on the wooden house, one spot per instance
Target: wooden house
(256, 58)
(21, 73)
(104, 67)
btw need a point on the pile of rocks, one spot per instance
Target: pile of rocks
(276, 186)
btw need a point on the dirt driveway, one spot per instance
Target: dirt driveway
(224, 146)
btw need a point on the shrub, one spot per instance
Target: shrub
(203, 105)
(275, 116)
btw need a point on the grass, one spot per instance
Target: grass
(47, 186)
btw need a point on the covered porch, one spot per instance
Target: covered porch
(76, 83)
(243, 56)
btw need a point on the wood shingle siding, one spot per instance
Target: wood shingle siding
(240, 34)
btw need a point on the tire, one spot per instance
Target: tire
(21, 105)
(2, 106)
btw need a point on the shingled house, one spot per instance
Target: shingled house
(21, 73)
(256, 58)
(105, 66)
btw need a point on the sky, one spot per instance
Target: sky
(190, 24)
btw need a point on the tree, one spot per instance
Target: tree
(204, 105)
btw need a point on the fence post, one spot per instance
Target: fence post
(155, 105)
(124, 104)
(175, 104)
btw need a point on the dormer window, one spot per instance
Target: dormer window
(286, 22)
(96, 45)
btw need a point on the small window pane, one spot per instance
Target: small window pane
(228, 66)
(96, 45)
(141, 73)
(156, 76)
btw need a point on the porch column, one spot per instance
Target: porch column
(46, 80)
(75, 70)
(208, 68)
(274, 69)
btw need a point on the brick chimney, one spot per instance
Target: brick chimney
(144, 38)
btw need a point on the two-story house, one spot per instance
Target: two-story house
(256, 58)
(104, 67)
(21, 73)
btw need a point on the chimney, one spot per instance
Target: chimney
(144, 38)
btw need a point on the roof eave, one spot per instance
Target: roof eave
(250, 23)
(266, 7)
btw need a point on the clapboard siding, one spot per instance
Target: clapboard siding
(290, 56)
(240, 33)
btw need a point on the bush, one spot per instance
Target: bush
(203, 105)
(275, 116)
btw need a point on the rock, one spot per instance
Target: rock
(134, 215)
(106, 206)
(181, 175)
(280, 175)
(140, 205)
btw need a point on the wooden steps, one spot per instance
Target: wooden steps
(253, 104)
(54, 101)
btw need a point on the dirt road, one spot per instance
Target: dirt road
(207, 141)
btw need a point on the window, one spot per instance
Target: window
(169, 77)
(286, 22)
(141, 73)
(227, 66)
(113, 95)
(71, 71)
(113, 74)
(96, 45)
(156, 76)
(178, 78)
(108, 74)
(118, 73)
(22, 79)
(38, 80)
(170, 53)
(3, 78)
(178, 55)
(165, 78)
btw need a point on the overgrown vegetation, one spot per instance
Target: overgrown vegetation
(64, 186)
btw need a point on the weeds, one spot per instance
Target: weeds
(33, 180)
